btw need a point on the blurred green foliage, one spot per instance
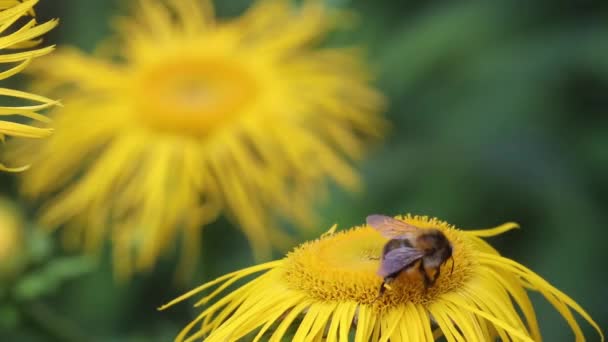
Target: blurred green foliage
(499, 113)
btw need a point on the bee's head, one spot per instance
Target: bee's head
(445, 253)
(438, 247)
(435, 242)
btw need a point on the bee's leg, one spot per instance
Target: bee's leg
(425, 276)
(384, 284)
(386, 281)
(382, 289)
(435, 276)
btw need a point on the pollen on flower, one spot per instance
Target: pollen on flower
(343, 267)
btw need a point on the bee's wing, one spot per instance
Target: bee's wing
(391, 228)
(398, 259)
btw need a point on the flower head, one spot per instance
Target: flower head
(21, 36)
(328, 289)
(187, 117)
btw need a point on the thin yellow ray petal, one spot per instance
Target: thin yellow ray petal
(258, 300)
(15, 70)
(24, 95)
(17, 10)
(247, 211)
(498, 322)
(20, 56)
(318, 338)
(240, 273)
(286, 322)
(392, 319)
(330, 231)
(464, 324)
(437, 333)
(94, 188)
(332, 331)
(325, 312)
(486, 305)
(28, 113)
(4, 25)
(467, 322)
(27, 34)
(191, 246)
(4, 4)
(270, 320)
(195, 15)
(375, 334)
(495, 296)
(235, 296)
(121, 253)
(555, 296)
(412, 325)
(346, 320)
(24, 27)
(26, 44)
(425, 322)
(155, 17)
(365, 323)
(153, 208)
(521, 298)
(198, 336)
(310, 316)
(224, 306)
(13, 169)
(444, 323)
(505, 227)
(24, 131)
(247, 320)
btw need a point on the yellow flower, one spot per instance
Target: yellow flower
(11, 239)
(185, 117)
(328, 289)
(21, 36)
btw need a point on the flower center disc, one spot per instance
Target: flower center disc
(343, 267)
(194, 96)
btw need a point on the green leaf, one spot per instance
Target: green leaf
(39, 246)
(9, 317)
(51, 276)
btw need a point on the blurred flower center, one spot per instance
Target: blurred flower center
(343, 267)
(194, 96)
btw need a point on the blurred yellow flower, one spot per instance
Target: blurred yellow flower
(22, 36)
(327, 290)
(11, 239)
(184, 117)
